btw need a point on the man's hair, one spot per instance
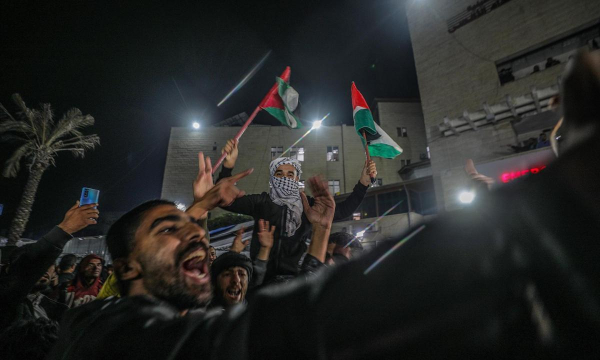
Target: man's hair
(121, 235)
(67, 261)
(343, 239)
(28, 339)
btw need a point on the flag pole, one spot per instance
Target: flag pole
(364, 134)
(252, 116)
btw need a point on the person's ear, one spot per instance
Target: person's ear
(127, 270)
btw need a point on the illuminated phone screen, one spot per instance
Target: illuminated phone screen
(89, 196)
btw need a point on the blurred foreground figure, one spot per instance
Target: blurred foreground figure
(513, 277)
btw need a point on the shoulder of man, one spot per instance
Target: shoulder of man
(136, 327)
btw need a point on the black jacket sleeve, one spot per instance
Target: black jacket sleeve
(348, 206)
(259, 268)
(31, 265)
(246, 205)
(224, 173)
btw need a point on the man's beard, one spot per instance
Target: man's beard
(165, 282)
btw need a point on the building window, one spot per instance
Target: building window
(378, 182)
(334, 186)
(297, 153)
(404, 162)
(214, 146)
(333, 153)
(301, 184)
(276, 152)
(428, 153)
(402, 132)
(356, 216)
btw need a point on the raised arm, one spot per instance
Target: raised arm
(320, 215)
(29, 267)
(348, 206)
(231, 149)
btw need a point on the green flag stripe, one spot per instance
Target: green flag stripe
(383, 150)
(278, 114)
(364, 120)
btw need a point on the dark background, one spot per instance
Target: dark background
(122, 62)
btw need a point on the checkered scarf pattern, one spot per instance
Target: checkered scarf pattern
(286, 192)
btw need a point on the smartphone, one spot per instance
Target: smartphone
(89, 196)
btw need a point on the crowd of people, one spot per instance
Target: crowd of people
(514, 276)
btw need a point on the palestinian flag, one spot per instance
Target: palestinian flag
(380, 143)
(282, 101)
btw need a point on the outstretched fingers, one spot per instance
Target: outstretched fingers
(243, 174)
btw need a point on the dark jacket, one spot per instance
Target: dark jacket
(287, 251)
(25, 272)
(513, 276)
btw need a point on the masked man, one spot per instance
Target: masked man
(283, 208)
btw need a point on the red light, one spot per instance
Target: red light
(509, 176)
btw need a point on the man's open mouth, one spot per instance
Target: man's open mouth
(234, 293)
(195, 266)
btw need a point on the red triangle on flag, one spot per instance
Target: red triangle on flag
(357, 98)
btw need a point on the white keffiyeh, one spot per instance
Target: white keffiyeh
(286, 192)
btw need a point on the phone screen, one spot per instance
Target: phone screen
(89, 196)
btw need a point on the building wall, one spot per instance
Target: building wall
(457, 72)
(255, 151)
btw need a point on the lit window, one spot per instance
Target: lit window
(297, 153)
(301, 184)
(276, 152)
(428, 153)
(356, 216)
(333, 153)
(404, 132)
(334, 186)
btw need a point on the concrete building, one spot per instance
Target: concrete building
(486, 71)
(334, 151)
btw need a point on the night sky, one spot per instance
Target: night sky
(122, 63)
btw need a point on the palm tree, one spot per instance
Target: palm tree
(39, 139)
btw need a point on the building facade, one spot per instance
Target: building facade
(487, 71)
(333, 151)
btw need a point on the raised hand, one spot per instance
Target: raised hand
(231, 149)
(78, 218)
(238, 245)
(321, 213)
(265, 234)
(369, 170)
(204, 180)
(478, 179)
(224, 193)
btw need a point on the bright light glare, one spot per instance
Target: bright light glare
(466, 197)
(180, 206)
(360, 234)
(317, 124)
(196, 125)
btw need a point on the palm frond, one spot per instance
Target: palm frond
(46, 120)
(69, 124)
(7, 126)
(77, 145)
(13, 164)
(30, 115)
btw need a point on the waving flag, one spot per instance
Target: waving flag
(284, 102)
(380, 143)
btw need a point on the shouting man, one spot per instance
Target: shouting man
(283, 208)
(87, 283)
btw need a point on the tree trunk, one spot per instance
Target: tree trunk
(21, 218)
